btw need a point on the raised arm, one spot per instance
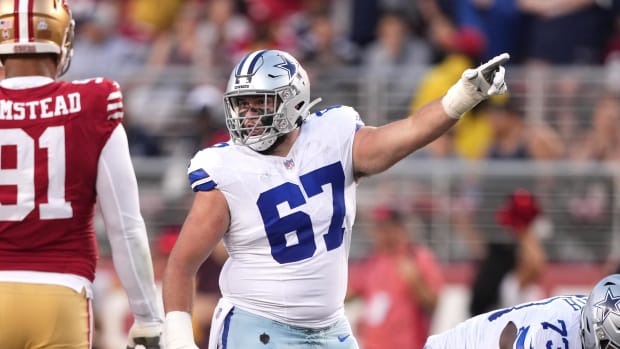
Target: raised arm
(375, 149)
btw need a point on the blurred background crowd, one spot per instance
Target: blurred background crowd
(518, 201)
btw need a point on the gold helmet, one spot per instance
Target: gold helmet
(37, 26)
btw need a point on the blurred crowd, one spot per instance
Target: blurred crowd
(172, 58)
(123, 36)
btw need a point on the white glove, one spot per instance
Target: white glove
(476, 85)
(178, 331)
(146, 335)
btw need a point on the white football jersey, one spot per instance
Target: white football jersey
(291, 220)
(548, 323)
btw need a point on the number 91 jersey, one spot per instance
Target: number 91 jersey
(291, 220)
(51, 137)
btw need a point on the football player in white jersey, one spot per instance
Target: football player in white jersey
(281, 194)
(567, 322)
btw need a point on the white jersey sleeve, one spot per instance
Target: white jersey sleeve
(125, 229)
(291, 220)
(548, 323)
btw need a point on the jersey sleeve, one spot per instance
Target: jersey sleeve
(125, 228)
(341, 118)
(112, 102)
(345, 121)
(105, 101)
(337, 125)
(203, 168)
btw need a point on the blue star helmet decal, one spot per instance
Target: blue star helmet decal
(287, 65)
(609, 305)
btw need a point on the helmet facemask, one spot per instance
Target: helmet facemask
(250, 118)
(66, 51)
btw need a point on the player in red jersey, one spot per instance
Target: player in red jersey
(62, 147)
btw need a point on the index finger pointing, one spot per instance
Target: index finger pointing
(495, 62)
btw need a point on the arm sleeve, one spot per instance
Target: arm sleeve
(117, 190)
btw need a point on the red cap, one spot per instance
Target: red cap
(519, 211)
(469, 41)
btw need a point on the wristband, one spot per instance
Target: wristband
(178, 329)
(460, 99)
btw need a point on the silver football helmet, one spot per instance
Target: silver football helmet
(600, 317)
(276, 77)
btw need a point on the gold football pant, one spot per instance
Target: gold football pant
(39, 316)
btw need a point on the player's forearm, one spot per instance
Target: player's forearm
(428, 123)
(178, 294)
(382, 147)
(178, 287)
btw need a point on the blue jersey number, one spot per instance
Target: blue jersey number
(299, 222)
(560, 329)
(520, 341)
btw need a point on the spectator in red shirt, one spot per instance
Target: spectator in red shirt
(399, 283)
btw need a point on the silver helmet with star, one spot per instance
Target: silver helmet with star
(271, 74)
(600, 316)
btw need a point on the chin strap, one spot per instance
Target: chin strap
(306, 109)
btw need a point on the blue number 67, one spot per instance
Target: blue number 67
(299, 222)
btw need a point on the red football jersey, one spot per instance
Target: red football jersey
(51, 138)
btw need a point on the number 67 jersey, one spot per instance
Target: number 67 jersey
(291, 220)
(51, 137)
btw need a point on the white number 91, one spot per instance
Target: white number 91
(23, 175)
